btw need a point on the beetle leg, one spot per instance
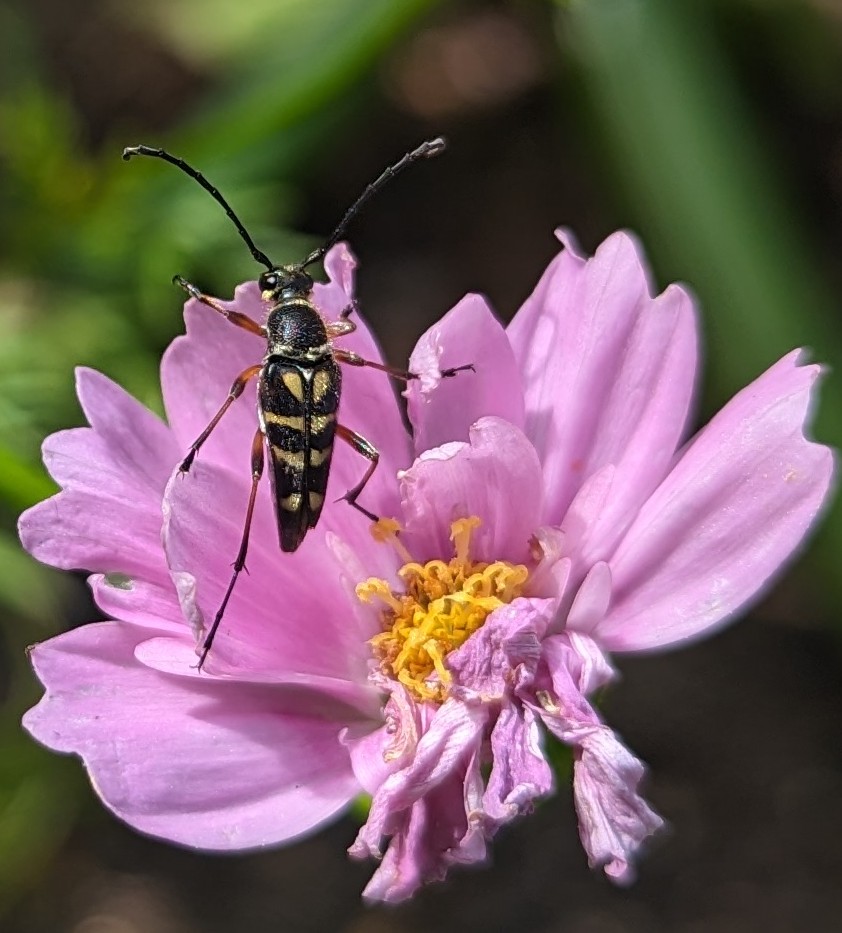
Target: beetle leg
(241, 320)
(240, 562)
(353, 359)
(343, 325)
(235, 392)
(340, 328)
(370, 452)
(352, 308)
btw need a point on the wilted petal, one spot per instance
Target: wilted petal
(448, 742)
(614, 820)
(510, 639)
(520, 772)
(469, 333)
(247, 772)
(434, 834)
(734, 508)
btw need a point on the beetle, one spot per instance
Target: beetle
(299, 380)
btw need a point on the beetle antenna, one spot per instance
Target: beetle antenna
(426, 150)
(130, 151)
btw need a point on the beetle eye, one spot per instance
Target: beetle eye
(268, 281)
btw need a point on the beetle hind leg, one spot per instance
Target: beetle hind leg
(371, 453)
(240, 562)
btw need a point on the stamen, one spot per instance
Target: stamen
(444, 603)
(386, 530)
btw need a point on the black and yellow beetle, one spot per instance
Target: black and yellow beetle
(299, 380)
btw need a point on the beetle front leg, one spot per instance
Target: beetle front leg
(240, 320)
(370, 452)
(354, 359)
(343, 326)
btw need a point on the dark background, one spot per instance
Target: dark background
(712, 128)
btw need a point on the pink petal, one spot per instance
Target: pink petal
(573, 338)
(200, 762)
(369, 403)
(482, 478)
(614, 820)
(108, 516)
(591, 601)
(735, 507)
(445, 409)
(176, 656)
(645, 413)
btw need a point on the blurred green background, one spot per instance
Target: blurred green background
(713, 128)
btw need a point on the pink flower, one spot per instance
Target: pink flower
(553, 513)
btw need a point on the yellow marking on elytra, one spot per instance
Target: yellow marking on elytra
(294, 386)
(319, 423)
(292, 502)
(321, 384)
(316, 500)
(296, 422)
(292, 458)
(318, 457)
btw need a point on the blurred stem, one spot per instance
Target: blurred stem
(702, 189)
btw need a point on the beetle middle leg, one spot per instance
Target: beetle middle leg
(235, 392)
(240, 562)
(354, 359)
(370, 452)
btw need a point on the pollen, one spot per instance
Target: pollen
(443, 604)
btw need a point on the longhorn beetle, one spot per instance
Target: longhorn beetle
(299, 381)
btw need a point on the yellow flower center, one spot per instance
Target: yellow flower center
(444, 603)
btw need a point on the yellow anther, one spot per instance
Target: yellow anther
(444, 603)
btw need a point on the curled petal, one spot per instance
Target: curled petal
(434, 834)
(614, 820)
(450, 740)
(520, 772)
(478, 478)
(734, 508)
(510, 640)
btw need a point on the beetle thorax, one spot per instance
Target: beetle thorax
(296, 331)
